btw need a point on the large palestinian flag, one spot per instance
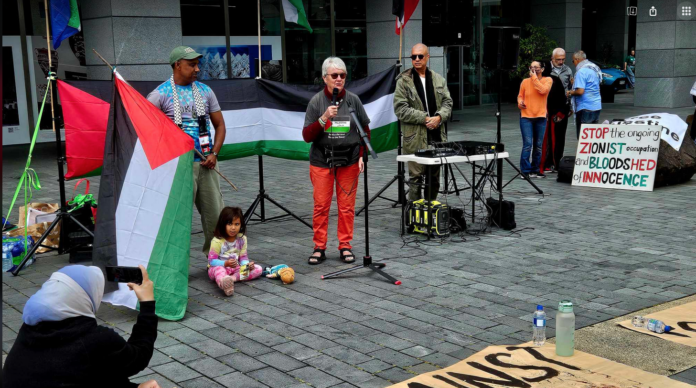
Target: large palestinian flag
(145, 201)
(261, 117)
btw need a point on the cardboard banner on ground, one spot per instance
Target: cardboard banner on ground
(617, 156)
(529, 367)
(681, 318)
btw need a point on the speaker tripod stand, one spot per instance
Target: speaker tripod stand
(261, 197)
(62, 215)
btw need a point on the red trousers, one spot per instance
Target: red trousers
(323, 179)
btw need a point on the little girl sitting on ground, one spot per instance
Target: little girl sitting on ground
(228, 261)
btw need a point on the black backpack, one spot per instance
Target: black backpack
(565, 169)
(508, 219)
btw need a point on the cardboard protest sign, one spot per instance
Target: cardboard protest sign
(673, 127)
(526, 366)
(681, 318)
(617, 156)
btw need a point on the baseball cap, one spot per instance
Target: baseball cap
(183, 52)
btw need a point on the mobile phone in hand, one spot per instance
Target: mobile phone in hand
(124, 274)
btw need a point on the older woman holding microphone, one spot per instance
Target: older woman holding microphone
(335, 157)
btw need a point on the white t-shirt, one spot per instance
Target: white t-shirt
(425, 93)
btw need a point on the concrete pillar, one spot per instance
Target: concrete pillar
(563, 19)
(665, 54)
(136, 36)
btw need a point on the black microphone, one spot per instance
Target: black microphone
(335, 96)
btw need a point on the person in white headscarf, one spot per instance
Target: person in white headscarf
(61, 345)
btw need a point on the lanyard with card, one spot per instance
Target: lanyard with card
(340, 126)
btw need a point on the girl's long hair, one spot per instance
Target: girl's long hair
(227, 216)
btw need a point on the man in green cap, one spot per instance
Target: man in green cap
(193, 106)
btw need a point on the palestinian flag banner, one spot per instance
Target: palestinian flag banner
(295, 13)
(145, 201)
(264, 117)
(86, 118)
(403, 10)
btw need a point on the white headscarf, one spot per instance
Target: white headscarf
(73, 291)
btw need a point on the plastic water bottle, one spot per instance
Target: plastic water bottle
(639, 321)
(6, 258)
(565, 329)
(658, 327)
(539, 328)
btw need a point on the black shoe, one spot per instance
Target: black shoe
(540, 176)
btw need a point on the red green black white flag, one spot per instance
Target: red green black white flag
(145, 201)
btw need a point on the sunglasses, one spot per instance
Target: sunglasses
(336, 75)
(419, 56)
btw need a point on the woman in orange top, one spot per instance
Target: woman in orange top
(532, 104)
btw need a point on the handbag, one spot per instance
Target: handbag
(83, 207)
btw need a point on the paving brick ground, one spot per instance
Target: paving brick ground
(610, 251)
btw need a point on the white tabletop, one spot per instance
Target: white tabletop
(451, 159)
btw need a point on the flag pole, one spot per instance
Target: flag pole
(200, 155)
(50, 63)
(259, 29)
(401, 40)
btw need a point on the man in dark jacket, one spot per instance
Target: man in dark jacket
(423, 104)
(558, 108)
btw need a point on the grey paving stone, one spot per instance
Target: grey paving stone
(280, 361)
(395, 358)
(358, 344)
(418, 351)
(376, 382)
(200, 382)
(266, 338)
(182, 353)
(347, 355)
(249, 347)
(315, 377)
(296, 350)
(440, 359)
(395, 375)
(176, 372)
(390, 341)
(213, 348)
(242, 362)
(374, 366)
(187, 335)
(210, 367)
(273, 377)
(239, 380)
(314, 341)
(339, 369)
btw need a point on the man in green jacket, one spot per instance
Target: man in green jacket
(423, 104)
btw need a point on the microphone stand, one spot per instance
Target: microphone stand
(367, 259)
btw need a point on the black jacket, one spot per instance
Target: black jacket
(77, 353)
(556, 102)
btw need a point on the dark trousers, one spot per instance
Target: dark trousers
(585, 117)
(418, 175)
(554, 143)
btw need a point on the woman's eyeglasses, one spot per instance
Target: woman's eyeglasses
(419, 56)
(534, 68)
(336, 75)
